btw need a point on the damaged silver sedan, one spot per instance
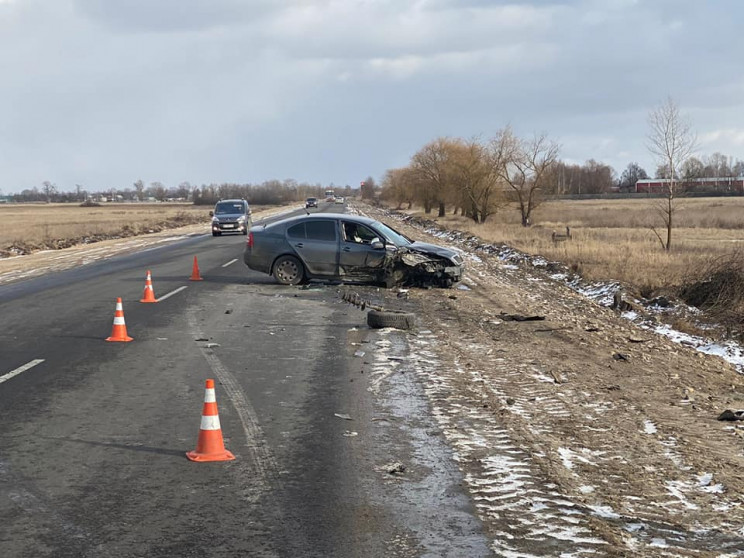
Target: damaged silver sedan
(348, 248)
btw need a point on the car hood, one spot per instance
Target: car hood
(228, 216)
(425, 248)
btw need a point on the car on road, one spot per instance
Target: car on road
(311, 202)
(347, 248)
(231, 216)
(340, 199)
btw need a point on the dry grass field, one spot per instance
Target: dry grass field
(613, 239)
(25, 228)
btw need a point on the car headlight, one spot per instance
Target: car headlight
(241, 219)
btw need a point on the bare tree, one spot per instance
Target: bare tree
(157, 190)
(49, 190)
(527, 166)
(692, 169)
(139, 187)
(671, 141)
(632, 174)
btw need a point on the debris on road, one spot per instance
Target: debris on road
(520, 318)
(728, 414)
(395, 468)
(342, 416)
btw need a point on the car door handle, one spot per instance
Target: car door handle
(347, 249)
(299, 245)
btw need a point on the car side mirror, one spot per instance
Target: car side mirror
(211, 213)
(377, 245)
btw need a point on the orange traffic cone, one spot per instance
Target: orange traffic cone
(149, 294)
(119, 331)
(209, 446)
(195, 272)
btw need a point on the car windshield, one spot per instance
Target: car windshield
(228, 208)
(391, 235)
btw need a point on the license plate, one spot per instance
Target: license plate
(229, 225)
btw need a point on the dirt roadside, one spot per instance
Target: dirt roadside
(580, 432)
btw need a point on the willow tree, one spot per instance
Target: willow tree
(477, 178)
(432, 165)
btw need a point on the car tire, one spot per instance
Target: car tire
(378, 319)
(216, 233)
(245, 232)
(288, 270)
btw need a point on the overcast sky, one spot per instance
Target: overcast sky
(105, 92)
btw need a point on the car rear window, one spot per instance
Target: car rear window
(314, 230)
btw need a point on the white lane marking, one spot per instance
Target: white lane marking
(20, 369)
(178, 290)
(230, 262)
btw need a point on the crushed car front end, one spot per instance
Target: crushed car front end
(423, 265)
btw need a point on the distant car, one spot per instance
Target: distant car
(348, 248)
(231, 216)
(311, 202)
(340, 199)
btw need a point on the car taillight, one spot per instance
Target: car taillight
(249, 242)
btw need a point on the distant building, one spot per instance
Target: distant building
(724, 184)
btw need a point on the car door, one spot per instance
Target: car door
(315, 241)
(357, 257)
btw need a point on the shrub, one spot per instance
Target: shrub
(718, 288)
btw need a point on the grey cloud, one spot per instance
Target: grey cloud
(328, 91)
(172, 15)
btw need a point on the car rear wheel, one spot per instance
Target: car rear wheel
(288, 270)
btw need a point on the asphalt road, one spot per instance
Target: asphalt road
(93, 434)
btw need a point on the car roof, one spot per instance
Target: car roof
(325, 217)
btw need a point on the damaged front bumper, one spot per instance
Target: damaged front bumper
(417, 269)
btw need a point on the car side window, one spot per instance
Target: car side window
(355, 232)
(321, 230)
(296, 231)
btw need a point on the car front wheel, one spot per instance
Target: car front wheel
(288, 270)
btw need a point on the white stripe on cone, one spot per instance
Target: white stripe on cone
(119, 320)
(209, 396)
(210, 422)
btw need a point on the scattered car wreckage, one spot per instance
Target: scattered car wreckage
(349, 249)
